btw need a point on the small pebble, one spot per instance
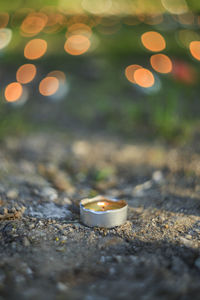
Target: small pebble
(26, 242)
(102, 259)
(133, 258)
(31, 226)
(118, 258)
(62, 287)
(12, 194)
(29, 271)
(49, 193)
(40, 223)
(139, 190)
(60, 249)
(186, 242)
(189, 237)
(66, 201)
(112, 271)
(157, 176)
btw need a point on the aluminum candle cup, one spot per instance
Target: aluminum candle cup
(103, 212)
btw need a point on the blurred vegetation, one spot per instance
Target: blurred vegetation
(110, 106)
(100, 97)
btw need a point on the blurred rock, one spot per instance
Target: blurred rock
(12, 194)
(49, 193)
(158, 177)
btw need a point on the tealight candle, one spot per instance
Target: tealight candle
(103, 212)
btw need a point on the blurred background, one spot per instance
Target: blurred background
(128, 68)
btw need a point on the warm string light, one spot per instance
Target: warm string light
(48, 86)
(79, 29)
(144, 78)
(33, 24)
(55, 20)
(35, 49)
(78, 39)
(129, 72)
(138, 75)
(59, 75)
(26, 73)
(161, 63)
(153, 41)
(77, 44)
(13, 91)
(195, 49)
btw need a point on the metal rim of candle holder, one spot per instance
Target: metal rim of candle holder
(107, 219)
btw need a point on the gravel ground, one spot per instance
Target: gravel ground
(46, 253)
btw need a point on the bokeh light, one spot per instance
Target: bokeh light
(109, 26)
(94, 20)
(19, 15)
(129, 72)
(195, 49)
(175, 6)
(79, 29)
(161, 63)
(48, 86)
(13, 91)
(97, 7)
(58, 74)
(33, 24)
(77, 44)
(55, 19)
(63, 85)
(5, 37)
(153, 41)
(23, 98)
(144, 78)
(185, 37)
(26, 73)
(70, 7)
(152, 19)
(4, 19)
(187, 18)
(184, 72)
(73, 19)
(131, 20)
(35, 49)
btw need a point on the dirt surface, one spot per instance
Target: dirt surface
(46, 253)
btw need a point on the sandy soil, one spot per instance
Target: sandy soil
(46, 253)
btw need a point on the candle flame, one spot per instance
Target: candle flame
(101, 203)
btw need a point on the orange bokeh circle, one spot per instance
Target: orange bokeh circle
(129, 72)
(77, 44)
(195, 49)
(33, 24)
(161, 63)
(153, 41)
(144, 78)
(26, 73)
(13, 91)
(35, 49)
(48, 86)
